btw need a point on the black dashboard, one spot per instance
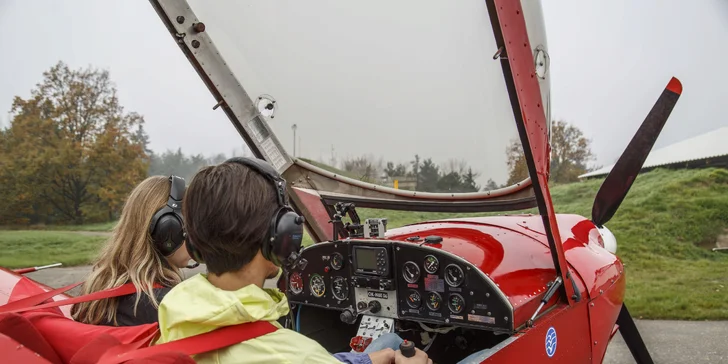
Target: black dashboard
(399, 280)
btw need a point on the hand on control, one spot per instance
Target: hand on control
(384, 356)
(420, 357)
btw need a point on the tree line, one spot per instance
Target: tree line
(570, 155)
(71, 153)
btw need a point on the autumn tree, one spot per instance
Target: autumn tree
(570, 153)
(516, 159)
(71, 150)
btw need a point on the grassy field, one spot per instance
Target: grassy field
(660, 228)
(100, 227)
(29, 248)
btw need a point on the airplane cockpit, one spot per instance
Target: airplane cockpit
(346, 293)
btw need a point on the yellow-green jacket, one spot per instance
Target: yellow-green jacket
(195, 306)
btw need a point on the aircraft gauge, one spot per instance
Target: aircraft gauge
(318, 287)
(434, 301)
(456, 303)
(337, 261)
(454, 275)
(296, 283)
(414, 299)
(340, 288)
(411, 272)
(431, 264)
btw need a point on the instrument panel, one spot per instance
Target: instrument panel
(399, 280)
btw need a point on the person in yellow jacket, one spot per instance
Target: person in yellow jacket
(228, 210)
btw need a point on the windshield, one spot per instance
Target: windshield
(403, 94)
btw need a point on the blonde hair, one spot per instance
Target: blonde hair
(129, 255)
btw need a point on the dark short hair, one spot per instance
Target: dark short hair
(227, 210)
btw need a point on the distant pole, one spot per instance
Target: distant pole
(294, 127)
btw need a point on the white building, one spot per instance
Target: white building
(705, 150)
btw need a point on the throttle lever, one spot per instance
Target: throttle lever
(407, 348)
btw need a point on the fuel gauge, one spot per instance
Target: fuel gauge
(434, 301)
(456, 303)
(414, 299)
(431, 264)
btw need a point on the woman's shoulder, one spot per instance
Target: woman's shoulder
(146, 312)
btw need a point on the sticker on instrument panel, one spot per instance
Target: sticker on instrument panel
(480, 318)
(270, 149)
(434, 284)
(551, 342)
(380, 295)
(454, 317)
(481, 306)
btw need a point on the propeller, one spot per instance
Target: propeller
(616, 186)
(620, 178)
(632, 337)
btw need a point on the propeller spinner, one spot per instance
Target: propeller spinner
(616, 186)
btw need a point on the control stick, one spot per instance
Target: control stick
(407, 348)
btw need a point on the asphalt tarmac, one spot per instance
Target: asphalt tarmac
(669, 342)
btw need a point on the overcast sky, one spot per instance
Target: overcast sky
(609, 62)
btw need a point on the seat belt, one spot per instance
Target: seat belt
(31, 303)
(209, 341)
(202, 343)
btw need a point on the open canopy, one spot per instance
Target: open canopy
(459, 88)
(386, 93)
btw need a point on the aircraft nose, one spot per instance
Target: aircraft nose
(610, 242)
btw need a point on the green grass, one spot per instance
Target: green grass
(27, 248)
(100, 227)
(659, 227)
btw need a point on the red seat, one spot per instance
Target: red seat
(58, 338)
(62, 340)
(21, 330)
(12, 351)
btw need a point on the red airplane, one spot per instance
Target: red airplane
(501, 289)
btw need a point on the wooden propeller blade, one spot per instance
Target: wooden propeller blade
(617, 184)
(632, 337)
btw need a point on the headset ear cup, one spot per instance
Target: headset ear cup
(167, 234)
(287, 236)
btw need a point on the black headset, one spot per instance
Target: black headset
(167, 226)
(283, 240)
